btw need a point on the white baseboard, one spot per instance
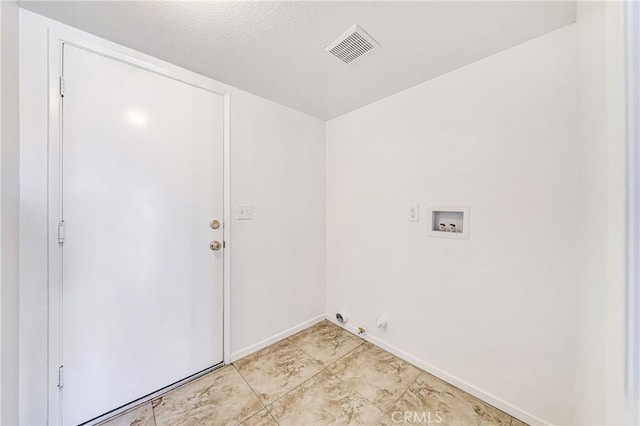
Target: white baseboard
(276, 337)
(449, 378)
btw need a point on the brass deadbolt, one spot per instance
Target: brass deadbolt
(215, 224)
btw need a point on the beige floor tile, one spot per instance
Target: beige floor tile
(362, 385)
(276, 370)
(139, 416)
(375, 374)
(263, 418)
(221, 397)
(430, 398)
(326, 342)
(324, 400)
(387, 421)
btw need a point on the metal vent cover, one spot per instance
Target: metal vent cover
(352, 44)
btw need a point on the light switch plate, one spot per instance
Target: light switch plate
(244, 211)
(414, 213)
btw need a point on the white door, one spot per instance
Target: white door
(142, 179)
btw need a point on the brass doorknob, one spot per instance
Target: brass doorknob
(215, 245)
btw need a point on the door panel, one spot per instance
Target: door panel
(142, 171)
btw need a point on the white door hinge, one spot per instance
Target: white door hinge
(62, 87)
(61, 232)
(60, 376)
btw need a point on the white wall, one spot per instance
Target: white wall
(277, 163)
(277, 262)
(591, 48)
(9, 202)
(498, 314)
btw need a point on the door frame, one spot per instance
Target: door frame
(631, 298)
(54, 269)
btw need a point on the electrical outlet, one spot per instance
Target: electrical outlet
(414, 214)
(244, 211)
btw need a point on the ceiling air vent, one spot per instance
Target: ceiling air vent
(352, 44)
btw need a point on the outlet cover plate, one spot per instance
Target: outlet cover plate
(244, 211)
(413, 214)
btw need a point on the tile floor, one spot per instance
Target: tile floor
(323, 375)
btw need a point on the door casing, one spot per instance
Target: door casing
(131, 57)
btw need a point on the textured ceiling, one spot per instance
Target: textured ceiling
(275, 49)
